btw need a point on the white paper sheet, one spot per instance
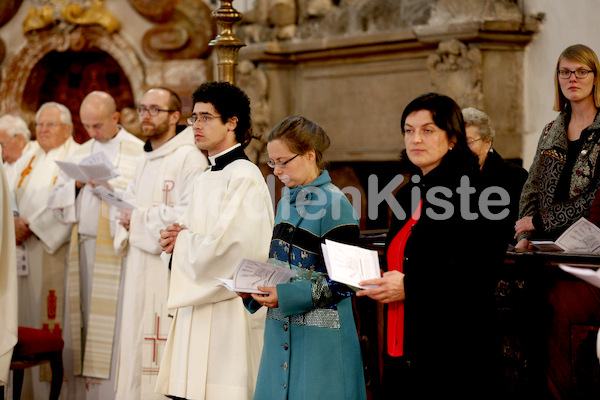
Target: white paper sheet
(350, 264)
(96, 167)
(250, 274)
(581, 237)
(112, 198)
(590, 275)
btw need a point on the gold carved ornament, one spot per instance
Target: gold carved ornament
(74, 13)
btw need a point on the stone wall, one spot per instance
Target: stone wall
(353, 65)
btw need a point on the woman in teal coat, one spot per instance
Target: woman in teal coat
(311, 348)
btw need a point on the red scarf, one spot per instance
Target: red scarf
(395, 314)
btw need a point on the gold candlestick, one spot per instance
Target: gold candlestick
(226, 44)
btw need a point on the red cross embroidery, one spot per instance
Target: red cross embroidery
(155, 339)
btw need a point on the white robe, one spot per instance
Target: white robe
(123, 151)
(161, 189)
(50, 235)
(8, 277)
(214, 345)
(10, 169)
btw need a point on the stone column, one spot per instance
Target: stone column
(226, 44)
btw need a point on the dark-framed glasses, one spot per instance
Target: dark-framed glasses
(153, 111)
(203, 118)
(274, 164)
(579, 73)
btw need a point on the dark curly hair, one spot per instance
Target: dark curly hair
(229, 101)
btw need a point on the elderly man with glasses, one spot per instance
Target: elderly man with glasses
(15, 141)
(42, 238)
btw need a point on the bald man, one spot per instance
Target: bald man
(94, 279)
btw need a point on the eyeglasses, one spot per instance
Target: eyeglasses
(204, 118)
(274, 164)
(152, 111)
(472, 141)
(49, 125)
(579, 74)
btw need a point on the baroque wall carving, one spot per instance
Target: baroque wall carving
(312, 19)
(67, 15)
(20, 67)
(306, 19)
(456, 70)
(319, 52)
(184, 28)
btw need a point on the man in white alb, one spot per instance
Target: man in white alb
(15, 141)
(43, 238)
(8, 276)
(94, 267)
(160, 191)
(214, 345)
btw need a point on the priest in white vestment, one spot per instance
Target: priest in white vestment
(42, 237)
(8, 277)
(94, 277)
(15, 141)
(214, 346)
(160, 190)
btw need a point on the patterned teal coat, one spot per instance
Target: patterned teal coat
(311, 348)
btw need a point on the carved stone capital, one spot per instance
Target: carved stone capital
(456, 70)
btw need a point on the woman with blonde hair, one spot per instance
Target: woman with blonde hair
(563, 178)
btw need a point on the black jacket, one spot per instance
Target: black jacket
(498, 172)
(450, 269)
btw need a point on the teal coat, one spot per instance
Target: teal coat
(311, 349)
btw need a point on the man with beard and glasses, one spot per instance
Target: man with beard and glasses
(159, 192)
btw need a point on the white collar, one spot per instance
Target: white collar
(213, 158)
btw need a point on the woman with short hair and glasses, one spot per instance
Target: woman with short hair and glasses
(311, 348)
(495, 171)
(563, 178)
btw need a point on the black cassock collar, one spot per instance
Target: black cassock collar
(229, 157)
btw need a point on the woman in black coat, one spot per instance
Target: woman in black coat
(495, 171)
(439, 284)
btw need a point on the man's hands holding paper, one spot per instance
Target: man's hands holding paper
(168, 237)
(94, 184)
(390, 287)
(101, 183)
